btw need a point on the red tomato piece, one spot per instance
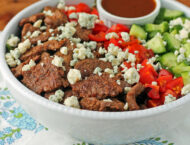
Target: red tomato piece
(100, 28)
(176, 85)
(98, 37)
(128, 65)
(144, 63)
(162, 81)
(82, 7)
(114, 41)
(153, 103)
(119, 28)
(154, 92)
(95, 12)
(164, 72)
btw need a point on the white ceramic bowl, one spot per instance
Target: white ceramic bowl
(110, 19)
(89, 126)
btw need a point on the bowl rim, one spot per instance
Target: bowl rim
(33, 97)
(115, 17)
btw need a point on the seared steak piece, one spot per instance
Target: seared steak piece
(88, 66)
(132, 94)
(100, 105)
(97, 86)
(82, 33)
(45, 77)
(32, 19)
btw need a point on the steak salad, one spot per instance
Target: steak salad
(68, 55)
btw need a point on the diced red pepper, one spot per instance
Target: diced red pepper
(98, 37)
(154, 92)
(162, 81)
(176, 85)
(148, 74)
(82, 7)
(153, 103)
(166, 93)
(114, 41)
(100, 28)
(128, 65)
(95, 12)
(164, 72)
(119, 28)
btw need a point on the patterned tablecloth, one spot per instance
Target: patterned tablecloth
(19, 128)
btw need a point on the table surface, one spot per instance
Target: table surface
(8, 8)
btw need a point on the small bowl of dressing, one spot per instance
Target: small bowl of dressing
(128, 12)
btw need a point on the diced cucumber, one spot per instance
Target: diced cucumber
(152, 34)
(9, 48)
(163, 27)
(179, 69)
(160, 18)
(157, 45)
(172, 43)
(172, 14)
(187, 49)
(138, 31)
(168, 60)
(186, 77)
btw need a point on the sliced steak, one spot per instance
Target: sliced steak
(17, 71)
(45, 77)
(58, 18)
(97, 86)
(27, 28)
(88, 66)
(32, 19)
(82, 33)
(37, 50)
(99, 105)
(132, 94)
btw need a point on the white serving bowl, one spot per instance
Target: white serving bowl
(89, 126)
(110, 19)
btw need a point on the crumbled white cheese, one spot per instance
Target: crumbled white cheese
(35, 34)
(131, 58)
(97, 70)
(27, 67)
(39, 42)
(108, 100)
(61, 4)
(87, 20)
(43, 28)
(10, 60)
(24, 46)
(175, 22)
(38, 23)
(112, 49)
(74, 76)
(58, 61)
(92, 45)
(48, 13)
(127, 89)
(183, 34)
(176, 53)
(125, 36)
(169, 98)
(73, 62)
(118, 82)
(72, 102)
(108, 70)
(64, 50)
(185, 90)
(180, 58)
(154, 83)
(80, 53)
(126, 107)
(102, 51)
(68, 31)
(132, 76)
(13, 41)
(15, 53)
(73, 16)
(111, 35)
(57, 97)
(51, 30)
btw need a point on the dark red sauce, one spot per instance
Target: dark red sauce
(129, 8)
